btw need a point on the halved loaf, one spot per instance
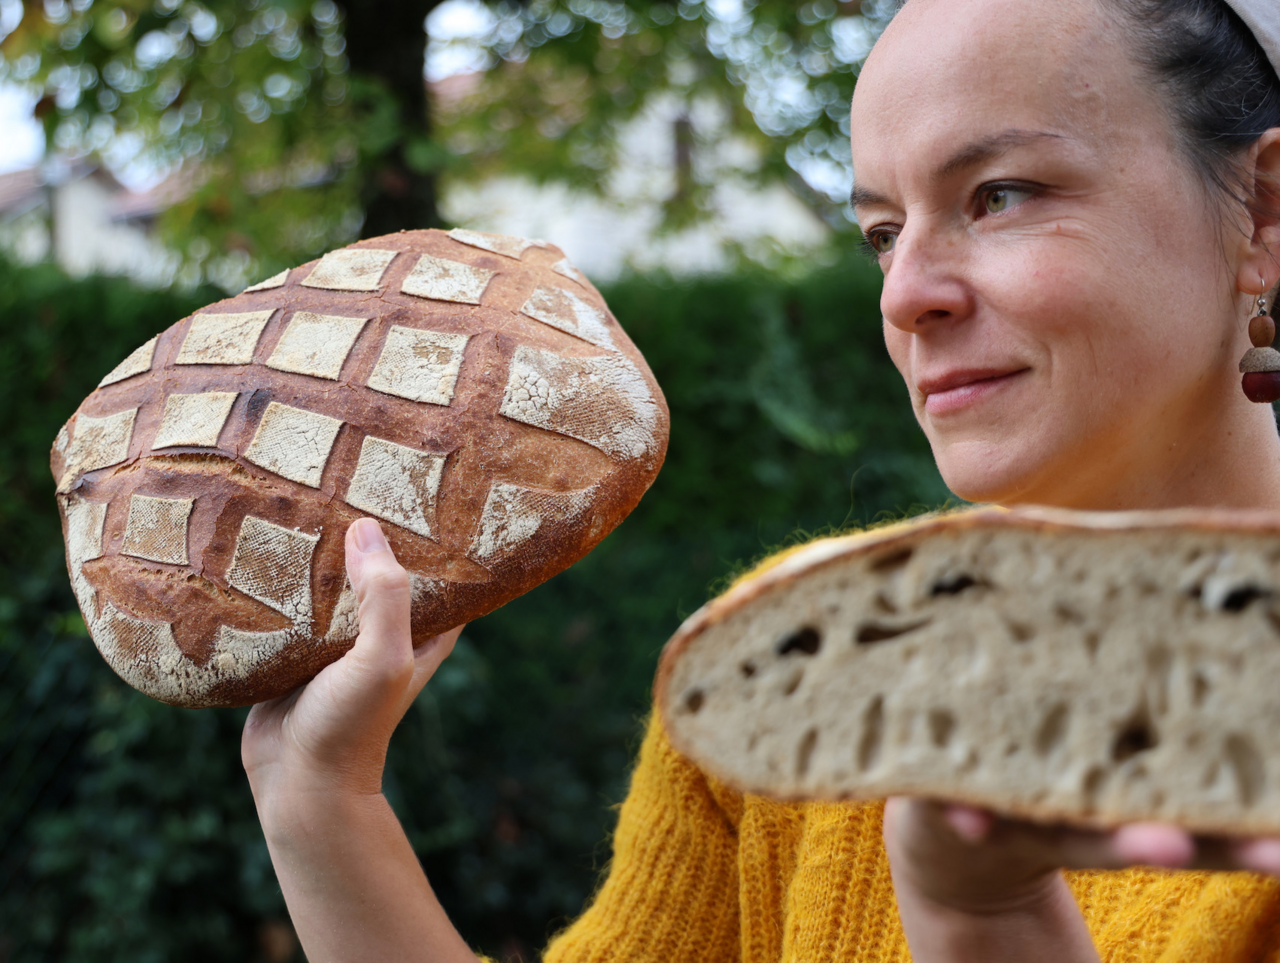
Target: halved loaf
(1088, 668)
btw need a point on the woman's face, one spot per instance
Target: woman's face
(1059, 293)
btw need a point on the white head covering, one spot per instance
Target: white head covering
(1263, 18)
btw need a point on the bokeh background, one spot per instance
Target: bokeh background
(691, 157)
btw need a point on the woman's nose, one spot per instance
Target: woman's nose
(925, 281)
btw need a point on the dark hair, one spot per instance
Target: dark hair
(1222, 90)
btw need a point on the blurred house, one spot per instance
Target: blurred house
(672, 146)
(86, 220)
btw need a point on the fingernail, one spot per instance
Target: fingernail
(369, 537)
(1154, 844)
(1261, 854)
(971, 825)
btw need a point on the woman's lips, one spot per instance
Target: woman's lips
(957, 390)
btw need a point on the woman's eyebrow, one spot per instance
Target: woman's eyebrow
(971, 155)
(866, 197)
(988, 148)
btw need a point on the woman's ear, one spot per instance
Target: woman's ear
(1259, 270)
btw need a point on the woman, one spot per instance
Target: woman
(1076, 206)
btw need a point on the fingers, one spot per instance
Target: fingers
(383, 590)
(1134, 844)
(979, 848)
(969, 824)
(384, 645)
(426, 660)
(1053, 845)
(1154, 844)
(1260, 855)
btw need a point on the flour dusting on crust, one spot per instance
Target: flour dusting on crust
(98, 443)
(604, 400)
(137, 363)
(397, 483)
(316, 344)
(294, 443)
(442, 280)
(513, 515)
(157, 529)
(223, 338)
(195, 420)
(419, 365)
(350, 269)
(273, 565)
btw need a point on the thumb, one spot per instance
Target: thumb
(383, 590)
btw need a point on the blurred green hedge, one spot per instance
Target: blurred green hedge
(127, 831)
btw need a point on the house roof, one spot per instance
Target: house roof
(20, 191)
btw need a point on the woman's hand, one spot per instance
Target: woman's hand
(971, 885)
(331, 735)
(354, 887)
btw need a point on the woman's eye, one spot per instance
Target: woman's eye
(1001, 199)
(882, 242)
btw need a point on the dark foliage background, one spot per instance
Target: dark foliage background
(127, 831)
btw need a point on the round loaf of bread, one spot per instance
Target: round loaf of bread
(470, 391)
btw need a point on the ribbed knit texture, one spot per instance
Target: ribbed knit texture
(701, 873)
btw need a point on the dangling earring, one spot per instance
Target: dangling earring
(1261, 363)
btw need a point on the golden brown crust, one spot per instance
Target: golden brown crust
(339, 406)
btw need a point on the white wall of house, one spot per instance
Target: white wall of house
(90, 222)
(620, 228)
(88, 238)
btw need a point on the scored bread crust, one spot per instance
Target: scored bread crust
(472, 392)
(1088, 668)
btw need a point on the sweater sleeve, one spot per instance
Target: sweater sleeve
(670, 894)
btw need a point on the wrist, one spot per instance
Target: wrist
(1025, 896)
(300, 807)
(1039, 920)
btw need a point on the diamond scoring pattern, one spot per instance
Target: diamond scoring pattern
(414, 363)
(394, 482)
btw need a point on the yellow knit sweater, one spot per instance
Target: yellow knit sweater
(702, 873)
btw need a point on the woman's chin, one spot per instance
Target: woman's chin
(977, 473)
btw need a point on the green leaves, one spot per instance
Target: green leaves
(249, 101)
(291, 121)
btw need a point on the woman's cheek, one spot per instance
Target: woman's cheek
(898, 343)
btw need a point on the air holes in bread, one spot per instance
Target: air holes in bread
(942, 723)
(1053, 729)
(793, 682)
(1021, 631)
(872, 734)
(1136, 736)
(806, 641)
(1068, 614)
(1200, 687)
(892, 561)
(1247, 768)
(954, 585)
(804, 755)
(870, 633)
(1219, 594)
(1092, 786)
(1237, 598)
(748, 669)
(693, 701)
(1241, 598)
